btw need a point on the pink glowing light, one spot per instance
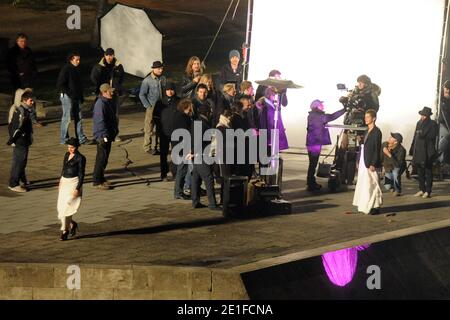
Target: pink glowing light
(340, 265)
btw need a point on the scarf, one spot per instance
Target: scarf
(224, 122)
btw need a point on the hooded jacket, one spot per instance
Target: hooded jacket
(112, 74)
(20, 126)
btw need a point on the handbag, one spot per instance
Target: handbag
(324, 170)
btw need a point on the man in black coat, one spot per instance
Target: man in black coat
(21, 64)
(423, 150)
(109, 70)
(163, 117)
(316, 137)
(71, 95)
(182, 121)
(202, 171)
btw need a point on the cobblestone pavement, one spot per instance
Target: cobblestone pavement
(139, 223)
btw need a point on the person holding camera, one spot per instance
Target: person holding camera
(362, 98)
(394, 163)
(317, 136)
(423, 150)
(105, 131)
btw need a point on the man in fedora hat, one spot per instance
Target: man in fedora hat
(151, 93)
(394, 163)
(423, 150)
(105, 131)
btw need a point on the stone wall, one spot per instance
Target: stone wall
(47, 282)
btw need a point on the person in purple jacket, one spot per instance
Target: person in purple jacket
(105, 131)
(317, 136)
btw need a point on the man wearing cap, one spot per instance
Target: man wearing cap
(317, 136)
(394, 163)
(232, 72)
(105, 131)
(109, 70)
(149, 94)
(423, 150)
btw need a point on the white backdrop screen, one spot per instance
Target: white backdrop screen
(319, 43)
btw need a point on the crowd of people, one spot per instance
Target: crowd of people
(223, 101)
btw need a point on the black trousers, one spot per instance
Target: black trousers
(164, 152)
(101, 161)
(203, 172)
(425, 173)
(182, 170)
(18, 165)
(313, 160)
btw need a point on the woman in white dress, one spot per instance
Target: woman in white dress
(368, 195)
(70, 188)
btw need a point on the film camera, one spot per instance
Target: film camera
(355, 106)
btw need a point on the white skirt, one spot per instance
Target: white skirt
(368, 194)
(67, 204)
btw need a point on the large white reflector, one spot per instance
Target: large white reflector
(320, 43)
(134, 38)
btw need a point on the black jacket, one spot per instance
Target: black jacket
(318, 134)
(181, 121)
(224, 102)
(198, 103)
(251, 118)
(206, 125)
(164, 115)
(69, 82)
(21, 128)
(227, 75)
(21, 61)
(74, 168)
(444, 112)
(113, 74)
(423, 147)
(372, 148)
(188, 87)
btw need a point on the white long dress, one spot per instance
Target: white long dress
(67, 204)
(368, 194)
